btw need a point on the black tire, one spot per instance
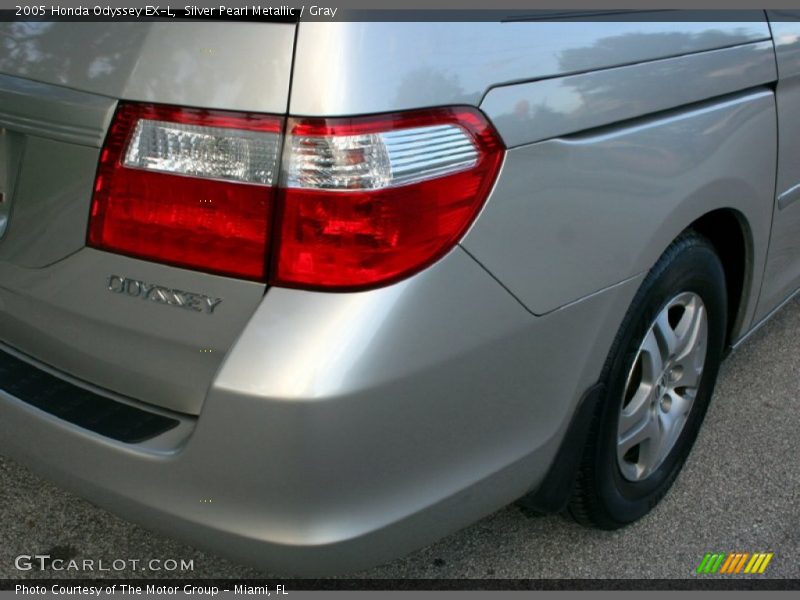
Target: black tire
(602, 496)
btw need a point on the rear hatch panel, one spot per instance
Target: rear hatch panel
(134, 327)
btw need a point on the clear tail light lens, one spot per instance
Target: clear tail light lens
(191, 188)
(229, 154)
(367, 201)
(362, 201)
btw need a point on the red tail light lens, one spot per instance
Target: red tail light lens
(191, 188)
(368, 201)
(363, 201)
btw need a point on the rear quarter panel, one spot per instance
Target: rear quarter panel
(572, 215)
(621, 133)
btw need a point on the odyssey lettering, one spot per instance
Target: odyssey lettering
(153, 292)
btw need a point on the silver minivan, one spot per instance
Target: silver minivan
(312, 294)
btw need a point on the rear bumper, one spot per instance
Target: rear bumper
(345, 429)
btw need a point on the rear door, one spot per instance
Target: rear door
(782, 275)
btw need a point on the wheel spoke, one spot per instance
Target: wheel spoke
(652, 359)
(691, 331)
(678, 408)
(693, 334)
(671, 423)
(668, 341)
(646, 429)
(636, 410)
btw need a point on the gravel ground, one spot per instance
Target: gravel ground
(740, 491)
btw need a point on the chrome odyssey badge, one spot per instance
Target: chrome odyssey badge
(163, 295)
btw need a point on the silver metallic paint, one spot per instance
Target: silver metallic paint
(196, 63)
(54, 112)
(608, 202)
(353, 68)
(338, 430)
(51, 202)
(64, 316)
(349, 428)
(531, 112)
(782, 274)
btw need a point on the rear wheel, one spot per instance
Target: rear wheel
(659, 377)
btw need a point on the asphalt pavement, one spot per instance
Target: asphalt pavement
(739, 492)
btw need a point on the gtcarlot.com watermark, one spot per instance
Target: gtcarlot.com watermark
(45, 562)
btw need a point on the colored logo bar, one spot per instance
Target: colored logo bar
(734, 563)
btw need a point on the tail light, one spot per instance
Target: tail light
(362, 201)
(191, 188)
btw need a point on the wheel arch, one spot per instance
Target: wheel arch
(729, 232)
